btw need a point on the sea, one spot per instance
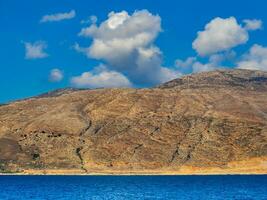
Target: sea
(238, 187)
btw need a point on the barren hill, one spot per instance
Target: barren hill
(213, 122)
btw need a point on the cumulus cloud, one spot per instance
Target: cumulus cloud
(101, 77)
(126, 43)
(255, 59)
(56, 75)
(35, 50)
(252, 24)
(58, 17)
(219, 35)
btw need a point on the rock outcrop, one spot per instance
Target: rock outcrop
(213, 122)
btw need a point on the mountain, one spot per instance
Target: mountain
(211, 122)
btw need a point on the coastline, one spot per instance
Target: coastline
(134, 174)
(253, 166)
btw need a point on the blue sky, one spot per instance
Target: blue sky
(43, 46)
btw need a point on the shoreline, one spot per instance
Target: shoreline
(131, 174)
(237, 174)
(253, 166)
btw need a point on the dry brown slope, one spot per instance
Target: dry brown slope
(213, 122)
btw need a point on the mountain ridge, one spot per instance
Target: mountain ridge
(213, 122)
(183, 80)
(236, 77)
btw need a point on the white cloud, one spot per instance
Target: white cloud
(58, 16)
(214, 62)
(91, 20)
(126, 43)
(87, 32)
(101, 77)
(200, 67)
(219, 35)
(185, 63)
(56, 75)
(116, 19)
(35, 50)
(252, 24)
(255, 59)
(167, 74)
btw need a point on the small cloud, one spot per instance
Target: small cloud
(56, 75)
(35, 50)
(220, 35)
(214, 62)
(91, 20)
(185, 63)
(58, 17)
(100, 77)
(252, 24)
(80, 49)
(255, 59)
(88, 31)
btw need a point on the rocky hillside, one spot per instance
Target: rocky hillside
(213, 122)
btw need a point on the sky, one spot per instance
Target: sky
(48, 44)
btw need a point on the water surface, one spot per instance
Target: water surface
(133, 187)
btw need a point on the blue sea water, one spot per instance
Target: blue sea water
(133, 187)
